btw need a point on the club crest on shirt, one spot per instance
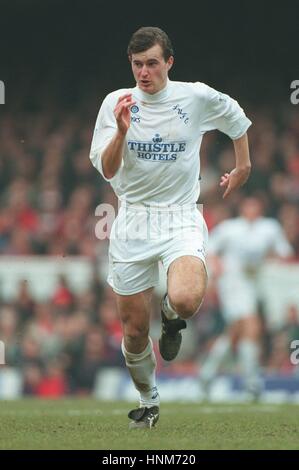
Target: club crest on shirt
(134, 117)
(134, 108)
(182, 115)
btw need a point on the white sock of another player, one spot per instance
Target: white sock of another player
(216, 357)
(142, 369)
(169, 312)
(248, 352)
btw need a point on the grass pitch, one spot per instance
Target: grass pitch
(91, 424)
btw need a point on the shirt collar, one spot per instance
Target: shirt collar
(156, 97)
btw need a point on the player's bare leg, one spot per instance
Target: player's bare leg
(134, 311)
(186, 285)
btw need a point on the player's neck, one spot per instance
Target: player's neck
(158, 96)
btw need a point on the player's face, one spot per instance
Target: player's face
(150, 69)
(251, 209)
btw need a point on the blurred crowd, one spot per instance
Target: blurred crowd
(49, 192)
(61, 344)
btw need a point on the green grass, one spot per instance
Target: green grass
(91, 424)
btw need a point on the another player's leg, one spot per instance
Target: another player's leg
(137, 347)
(186, 285)
(216, 357)
(249, 355)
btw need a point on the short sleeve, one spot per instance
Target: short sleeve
(220, 111)
(217, 239)
(103, 133)
(281, 246)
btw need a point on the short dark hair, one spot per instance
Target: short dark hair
(148, 36)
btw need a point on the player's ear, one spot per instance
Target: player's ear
(130, 58)
(170, 62)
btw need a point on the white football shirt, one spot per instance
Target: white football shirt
(161, 156)
(245, 245)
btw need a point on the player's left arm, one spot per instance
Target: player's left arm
(239, 175)
(220, 111)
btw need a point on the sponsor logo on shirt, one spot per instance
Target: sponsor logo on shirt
(157, 150)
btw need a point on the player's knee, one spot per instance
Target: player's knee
(185, 304)
(136, 334)
(136, 343)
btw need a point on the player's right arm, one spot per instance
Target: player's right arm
(113, 153)
(113, 122)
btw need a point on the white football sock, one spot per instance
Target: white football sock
(248, 352)
(169, 312)
(142, 369)
(215, 358)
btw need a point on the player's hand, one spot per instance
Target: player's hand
(234, 180)
(122, 112)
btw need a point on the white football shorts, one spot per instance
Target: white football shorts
(238, 295)
(142, 236)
